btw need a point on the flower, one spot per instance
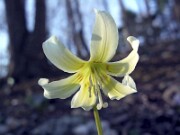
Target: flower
(92, 77)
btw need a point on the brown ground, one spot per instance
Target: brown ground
(154, 110)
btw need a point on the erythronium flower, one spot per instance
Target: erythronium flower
(92, 77)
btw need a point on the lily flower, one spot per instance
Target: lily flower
(93, 77)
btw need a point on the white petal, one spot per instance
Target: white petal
(104, 40)
(84, 98)
(126, 65)
(60, 56)
(115, 89)
(134, 42)
(128, 81)
(60, 89)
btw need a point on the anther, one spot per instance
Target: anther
(90, 80)
(100, 104)
(89, 89)
(105, 105)
(100, 85)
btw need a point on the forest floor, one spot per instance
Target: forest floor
(153, 110)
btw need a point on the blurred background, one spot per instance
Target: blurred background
(25, 24)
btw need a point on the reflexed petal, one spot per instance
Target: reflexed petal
(60, 56)
(126, 65)
(128, 81)
(115, 89)
(84, 98)
(104, 40)
(61, 89)
(134, 42)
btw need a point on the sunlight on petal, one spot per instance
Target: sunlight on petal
(115, 89)
(134, 42)
(128, 81)
(60, 89)
(60, 56)
(84, 98)
(104, 40)
(126, 65)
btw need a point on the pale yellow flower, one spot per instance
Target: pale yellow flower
(92, 77)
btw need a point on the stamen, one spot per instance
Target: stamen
(89, 89)
(100, 85)
(100, 104)
(90, 86)
(95, 84)
(90, 80)
(105, 105)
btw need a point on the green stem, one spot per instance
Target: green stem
(98, 121)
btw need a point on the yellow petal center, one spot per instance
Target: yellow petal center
(92, 74)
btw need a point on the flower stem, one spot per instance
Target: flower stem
(98, 121)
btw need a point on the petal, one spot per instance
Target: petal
(60, 56)
(128, 81)
(61, 89)
(115, 89)
(84, 98)
(126, 65)
(104, 40)
(134, 42)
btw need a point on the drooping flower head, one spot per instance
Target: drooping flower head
(93, 77)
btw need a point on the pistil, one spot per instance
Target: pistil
(95, 85)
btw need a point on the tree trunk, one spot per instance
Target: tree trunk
(177, 10)
(15, 15)
(125, 28)
(76, 35)
(124, 20)
(80, 32)
(36, 63)
(147, 8)
(26, 56)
